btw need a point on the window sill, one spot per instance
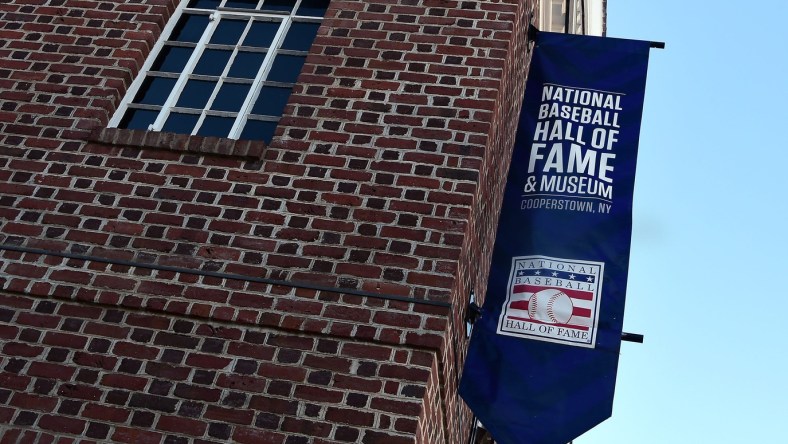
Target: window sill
(216, 146)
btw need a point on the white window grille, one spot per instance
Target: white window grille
(223, 68)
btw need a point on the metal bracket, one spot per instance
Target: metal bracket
(632, 337)
(472, 313)
(533, 35)
(533, 32)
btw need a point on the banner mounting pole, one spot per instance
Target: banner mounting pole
(632, 337)
(533, 35)
(473, 313)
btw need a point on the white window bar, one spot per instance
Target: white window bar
(285, 20)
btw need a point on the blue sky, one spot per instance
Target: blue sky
(709, 232)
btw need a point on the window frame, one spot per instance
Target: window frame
(215, 17)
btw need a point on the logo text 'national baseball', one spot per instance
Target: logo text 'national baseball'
(553, 299)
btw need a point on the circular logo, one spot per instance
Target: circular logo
(551, 306)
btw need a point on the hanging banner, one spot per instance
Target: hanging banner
(541, 364)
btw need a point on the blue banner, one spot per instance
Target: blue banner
(541, 364)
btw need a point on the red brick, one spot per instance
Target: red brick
(348, 313)
(371, 437)
(105, 413)
(197, 392)
(148, 321)
(395, 406)
(136, 436)
(167, 371)
(128, 382)
(13, 381)
(62, 424)
(16, 302)
(334, 363)
(135, 350)
(251, 350)
(5, 417)
(367, 351)
(281, 372)
(350, 416)
(235, 416)
(397, 319)
(21, 349)
(425, 340)
(207, 361)
(403, 373)
(297, 342)
(357, 384)
(181, 425)
(318, 394)
(65, 340)
(79, 391)
(307, 427)
(106, 330)
(386, 259)
(248, 435)
(160, 288)
(49, 370)
(38, 320)
(95, 360)
(25, 270)
(27, 401)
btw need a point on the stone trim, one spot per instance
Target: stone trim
(217, 146)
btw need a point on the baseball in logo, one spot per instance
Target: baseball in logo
(553, 299)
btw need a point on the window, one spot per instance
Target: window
(573, 16)
(223, 68)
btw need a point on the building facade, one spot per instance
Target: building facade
(250, 221)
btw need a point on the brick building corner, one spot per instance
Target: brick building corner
(164, 288)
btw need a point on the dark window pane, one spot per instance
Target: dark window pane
(216, 126)
(271, 101)
(172, 59)
(262, 34)
(180, 123)
(212, 62)
(241, 4)
(314, 8)
(204, 4)
(278, 5)
(195, 94)
(189, 28)
(300, 36)
(138, 119)
(246, 64)
(228, 32)
(259, 130)
(286, 68)
(231, 96)
(154, 91)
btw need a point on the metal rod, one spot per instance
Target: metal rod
(294, 284)
(533, 35)
(632, 337)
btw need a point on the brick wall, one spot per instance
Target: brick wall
(166, 288)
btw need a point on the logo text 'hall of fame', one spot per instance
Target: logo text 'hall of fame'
(553, 299)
